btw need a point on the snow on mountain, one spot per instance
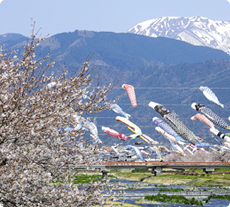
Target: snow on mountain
(194, 30)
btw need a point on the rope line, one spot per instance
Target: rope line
(176, 88)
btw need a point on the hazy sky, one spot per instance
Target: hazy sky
(57, 16)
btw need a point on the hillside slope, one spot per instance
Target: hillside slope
(119, 50)
(162, 70)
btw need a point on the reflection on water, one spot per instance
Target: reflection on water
(135, 190)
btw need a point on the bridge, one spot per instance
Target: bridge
(155, 167)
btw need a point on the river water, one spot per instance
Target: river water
(135, 190)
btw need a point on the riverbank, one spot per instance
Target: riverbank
(189, 177)
(195, 183)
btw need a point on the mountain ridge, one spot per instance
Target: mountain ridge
(121, 50)
(172, 80)
(194, 30)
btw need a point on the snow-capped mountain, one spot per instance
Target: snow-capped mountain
(194, 30)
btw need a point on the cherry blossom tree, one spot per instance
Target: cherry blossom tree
(36, 153)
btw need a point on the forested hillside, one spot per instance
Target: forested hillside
(162, 70)
(175, 87)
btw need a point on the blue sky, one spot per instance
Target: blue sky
(57, 16)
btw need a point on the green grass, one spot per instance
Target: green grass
(174, 199)
(169, 189)
(213, 196)
(162, 186)
(191, 177)
(181, 199)
(86, 179)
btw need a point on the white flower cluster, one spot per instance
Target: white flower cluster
(36, 155)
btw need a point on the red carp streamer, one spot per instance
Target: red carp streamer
(131, 92)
